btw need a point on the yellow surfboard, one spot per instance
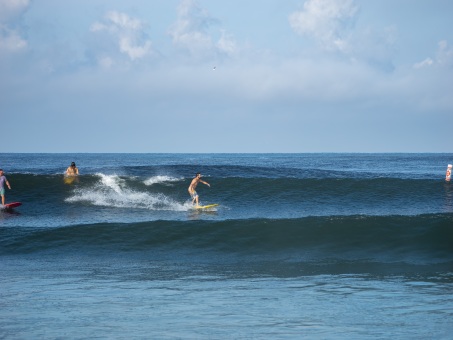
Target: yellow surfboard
(206, 206)
(69, 179)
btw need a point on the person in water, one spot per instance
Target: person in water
(3, 181)
(72, 170)
(193, 186)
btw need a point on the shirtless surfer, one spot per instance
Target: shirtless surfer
(193, 186)
(72, 170)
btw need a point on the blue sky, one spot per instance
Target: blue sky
(226, 76)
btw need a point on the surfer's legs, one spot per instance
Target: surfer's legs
(194, 197)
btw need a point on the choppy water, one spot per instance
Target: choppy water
(301, 245)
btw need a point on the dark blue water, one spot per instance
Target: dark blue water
(301, 245)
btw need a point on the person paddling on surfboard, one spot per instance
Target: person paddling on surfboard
(192, 187)
(72, 170)
(3, 181)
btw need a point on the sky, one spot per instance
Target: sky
(237, 76)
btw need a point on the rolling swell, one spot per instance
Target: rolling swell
(424, 239)
(247, 197)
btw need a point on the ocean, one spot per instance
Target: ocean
(312, 246)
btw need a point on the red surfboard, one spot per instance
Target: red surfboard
(10, 206)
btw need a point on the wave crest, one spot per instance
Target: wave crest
(114, 191)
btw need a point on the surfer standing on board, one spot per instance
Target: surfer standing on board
(72, 170)
(3, 181)
(192, 187)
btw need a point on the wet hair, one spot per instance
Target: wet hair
(197, 174)
(73, 164)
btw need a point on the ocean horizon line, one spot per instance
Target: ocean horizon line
(238, 153)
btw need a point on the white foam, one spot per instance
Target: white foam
(112, 191)
(160, 180)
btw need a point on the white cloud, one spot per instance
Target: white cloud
(331, 24)
(122, 20)
(189, 29)
(326, 21)
(444, 57)
(227, 44)
(11, 41)
(424, 63)
(445, 54)
(10, 38)
(129, 34)
(11, 9)
(190, 32)
(134, 51)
